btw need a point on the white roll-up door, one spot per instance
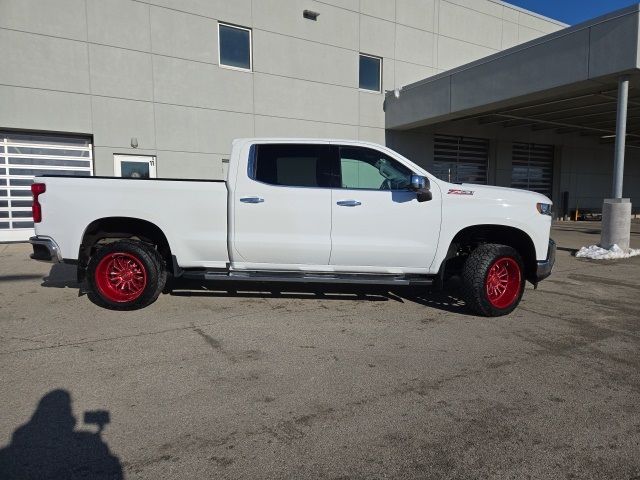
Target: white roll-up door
(22, 157)
(461, 159)
(532, 167)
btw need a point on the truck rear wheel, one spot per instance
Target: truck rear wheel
(493, 280)
(125, 275)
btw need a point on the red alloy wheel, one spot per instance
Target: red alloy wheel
(121, 277)
(503, 282)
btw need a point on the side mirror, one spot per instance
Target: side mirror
(421, 186)
(418, 182)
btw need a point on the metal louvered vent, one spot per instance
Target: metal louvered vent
(532, 167)
(461, 159)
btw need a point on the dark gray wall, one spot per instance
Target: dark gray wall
(583, 166)
(568, 60)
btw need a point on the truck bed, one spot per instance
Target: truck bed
(191, 213)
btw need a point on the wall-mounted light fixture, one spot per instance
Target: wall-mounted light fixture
(134, 142)
(310, 15)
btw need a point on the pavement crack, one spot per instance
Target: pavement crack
(24, 339)
(602, 280)
(122, 337)
(250, 354)
(88, 342)
(212, 342)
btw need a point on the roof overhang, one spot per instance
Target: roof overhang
(546, 78)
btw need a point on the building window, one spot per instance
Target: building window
(370, 73)
(234, 47)
(461, 159)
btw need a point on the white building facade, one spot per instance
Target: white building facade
(161, 87)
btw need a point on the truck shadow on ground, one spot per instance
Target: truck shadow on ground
(449, 300)
(18, 277)
(62, 275)
(49, 446)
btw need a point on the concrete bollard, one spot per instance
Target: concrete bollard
(616, 223)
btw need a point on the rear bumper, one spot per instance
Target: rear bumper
(45, 249)
(546, 266)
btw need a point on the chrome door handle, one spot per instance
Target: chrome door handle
(252, 200)
(349, 203)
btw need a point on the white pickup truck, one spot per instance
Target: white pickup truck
(296, 210)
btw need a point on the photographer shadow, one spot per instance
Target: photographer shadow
(49, 447)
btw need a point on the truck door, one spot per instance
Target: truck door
(378, 225)
(282, 207)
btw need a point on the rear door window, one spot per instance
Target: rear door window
(292, 165)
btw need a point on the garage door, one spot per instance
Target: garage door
(461, 159)
(22, 157)
(532, 167)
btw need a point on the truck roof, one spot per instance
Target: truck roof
(304, 140)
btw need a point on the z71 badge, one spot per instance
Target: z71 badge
(457, 191)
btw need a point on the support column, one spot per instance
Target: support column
(621, 136)
(616, 212)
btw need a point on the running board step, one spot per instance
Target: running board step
(299, 277)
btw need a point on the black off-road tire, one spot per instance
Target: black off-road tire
(475, 274)
(146, 257)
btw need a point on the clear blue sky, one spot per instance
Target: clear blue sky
(572, 11)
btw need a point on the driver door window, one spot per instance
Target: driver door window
(368, 169)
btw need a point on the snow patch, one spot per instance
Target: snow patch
(595, 252)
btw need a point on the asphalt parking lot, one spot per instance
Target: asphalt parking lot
(337, 385)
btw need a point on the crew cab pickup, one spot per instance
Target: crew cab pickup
(296, 210)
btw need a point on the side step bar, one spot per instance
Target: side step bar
(301, 277)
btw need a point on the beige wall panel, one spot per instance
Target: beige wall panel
(414, 46)
(375, 135)
(453, 53)
(377, 36)
(184, 35)
(292, 57)
(119, 23)
(30, 109)
(300, 99)
(385, 9)
(371, 109)
(206, 166)
(198, 130)
(232, 11)
(196, 84)
(470, 26)
(116, 72)
(116, 121)
(285, 127)
(335, 26)
(416, 13)
(37, 61)
(36, 16)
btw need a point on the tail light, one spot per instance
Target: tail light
(36, 209)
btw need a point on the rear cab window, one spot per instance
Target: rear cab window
(292, 165)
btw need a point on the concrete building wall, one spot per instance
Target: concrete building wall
(123, 69)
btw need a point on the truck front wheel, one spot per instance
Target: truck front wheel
(493, 280)
(125, 275)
